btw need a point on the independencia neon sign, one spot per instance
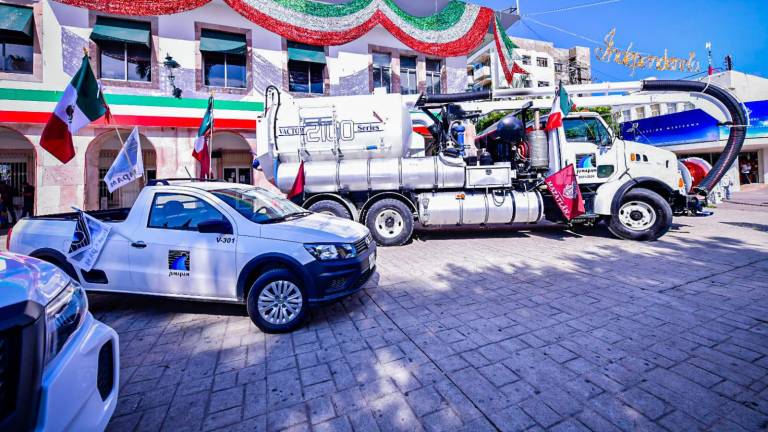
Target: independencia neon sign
(636, 60)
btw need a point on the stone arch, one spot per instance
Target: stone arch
(18, 164)
(232, 157)
(99, 155)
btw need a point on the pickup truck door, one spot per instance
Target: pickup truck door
(170, 257)
(588, 146)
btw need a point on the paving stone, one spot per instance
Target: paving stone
(530, 330)
(424, 401)
(392, 413)
(320, 410)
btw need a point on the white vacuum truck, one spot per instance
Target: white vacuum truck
(362, 160)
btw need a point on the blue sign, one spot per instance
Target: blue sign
(692, 126)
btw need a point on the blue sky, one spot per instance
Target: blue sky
(738, 27)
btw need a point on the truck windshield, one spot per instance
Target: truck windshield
(589, 130)
(260, 205)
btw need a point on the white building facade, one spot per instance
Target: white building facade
(141, 60)
(546, 65)
(691, 128)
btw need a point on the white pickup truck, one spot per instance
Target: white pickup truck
(215, 241)
(59, 366)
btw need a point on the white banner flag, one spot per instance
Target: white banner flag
(128, 166)
(87, 241)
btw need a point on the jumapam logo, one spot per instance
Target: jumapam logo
(178, 263)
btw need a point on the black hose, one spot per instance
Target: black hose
(426, 99)
(738, 122)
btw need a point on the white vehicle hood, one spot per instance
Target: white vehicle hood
(315, 228)
(23, 278)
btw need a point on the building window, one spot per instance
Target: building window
(543, 83)
(224, 59)
(408, 81)
(16, 39)
(306, 68)
(655, 110)
(640, 112)
(382, 71)
(689, 106)
(541, 62)
(671, 108)
(527, 83)
(558, 67)
(433, 81)
(526, 59)
(125, 53)
(626, 115)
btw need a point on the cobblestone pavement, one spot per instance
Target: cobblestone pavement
(480, 330)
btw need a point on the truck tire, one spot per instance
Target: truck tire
(330, 207)
(643, 215)
(276, 302)
(390, 222)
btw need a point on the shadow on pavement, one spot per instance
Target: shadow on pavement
(474, 330)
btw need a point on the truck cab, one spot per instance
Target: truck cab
(606, 164)
(216, 241)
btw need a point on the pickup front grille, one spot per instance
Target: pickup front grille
(362, 245)
(9, 371)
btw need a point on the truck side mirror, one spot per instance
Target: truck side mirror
(215, 226)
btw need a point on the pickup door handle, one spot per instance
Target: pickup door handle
(139, 245)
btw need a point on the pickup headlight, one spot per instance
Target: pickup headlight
(326, 252)
(63, 316)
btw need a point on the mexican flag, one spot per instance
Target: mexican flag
(561, 107)
(507, 56)
(202, 152)
(81, 104)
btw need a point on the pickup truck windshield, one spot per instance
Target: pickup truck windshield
(260, 205)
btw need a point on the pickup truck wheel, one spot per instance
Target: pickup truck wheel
(390, 222)
(332, 208)
(642, 215)
(276, 303)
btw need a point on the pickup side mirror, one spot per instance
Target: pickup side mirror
(215, 226)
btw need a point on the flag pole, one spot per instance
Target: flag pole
(210, 141)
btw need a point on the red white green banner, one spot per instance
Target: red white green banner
(507, 56)
(455, 30)
(137, 7)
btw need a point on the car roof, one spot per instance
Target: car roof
(201, 185)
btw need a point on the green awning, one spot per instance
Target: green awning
(304, 52)
(221, 42)
(16, 19)
(118, 30)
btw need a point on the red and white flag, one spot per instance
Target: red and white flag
(202, 152)
(298, 184)
(565, 189)
(561, 107)
(81, 104)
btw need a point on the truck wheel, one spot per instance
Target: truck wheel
(332, 208)
(390, 222)
(643, 215)
(276, 302)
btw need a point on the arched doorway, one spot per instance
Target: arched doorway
(18, 160)
(99, 157)
(231, 158)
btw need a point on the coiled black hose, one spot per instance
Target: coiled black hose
(737, 123)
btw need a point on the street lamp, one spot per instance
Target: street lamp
(171, 64)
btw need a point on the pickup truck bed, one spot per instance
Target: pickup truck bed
(111, 215)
